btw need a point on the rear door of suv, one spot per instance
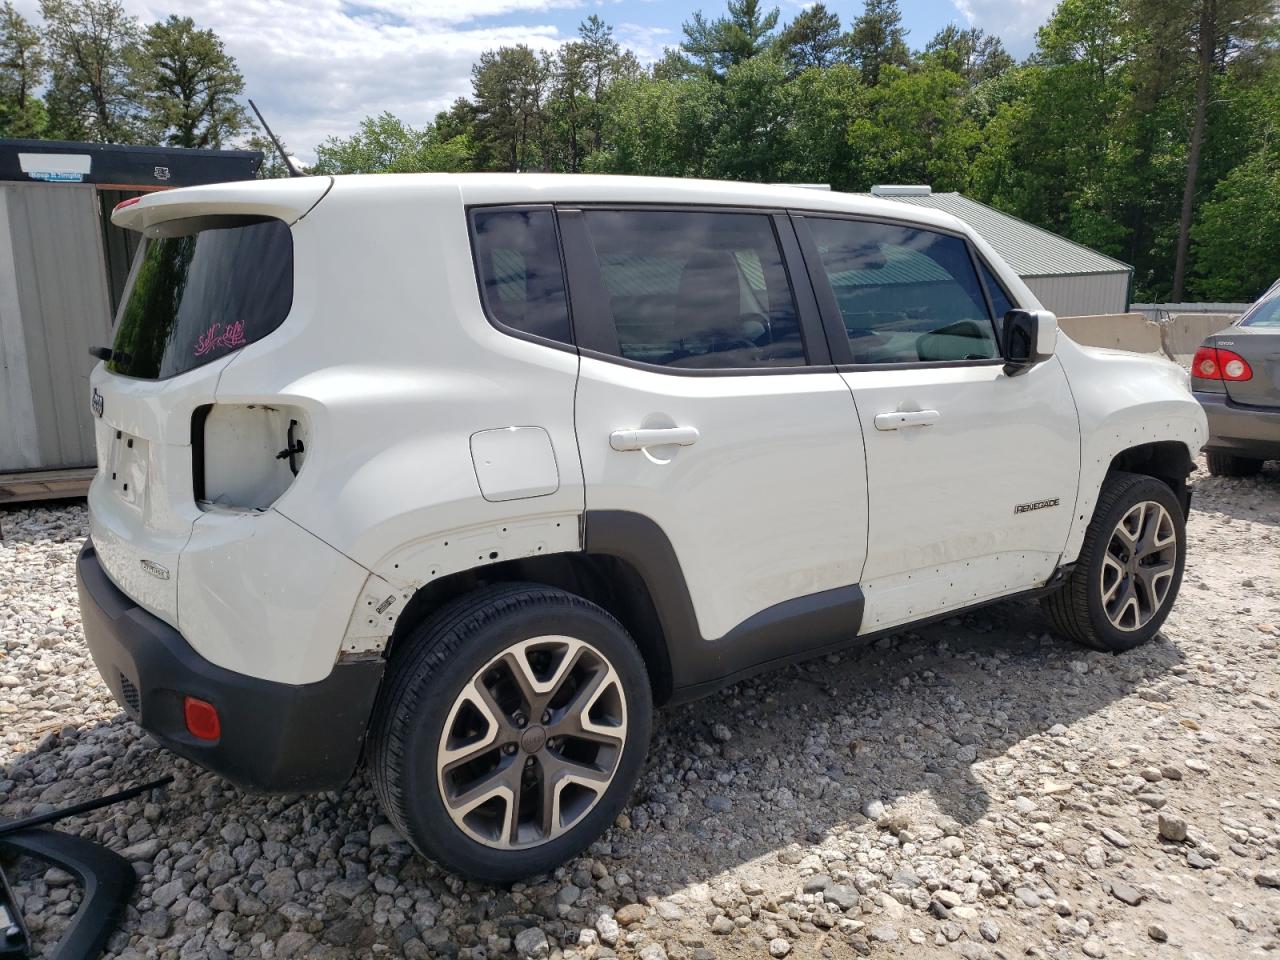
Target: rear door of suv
(710, 418)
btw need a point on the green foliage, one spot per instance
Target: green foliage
(1237, 239)
(812, 39)
(746, 31)
(915, 130)
(975, 55)
(187, 85)
(385, 144)
(1148, 129)
(823, 105)
(23, 67)
(658, 128)
(750, 125)
(878, 40)
(510, 85)
(90, 44)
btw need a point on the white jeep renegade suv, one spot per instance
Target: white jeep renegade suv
(464, 474)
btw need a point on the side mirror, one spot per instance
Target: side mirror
(1028, 337)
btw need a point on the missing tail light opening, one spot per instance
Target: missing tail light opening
(244, 456)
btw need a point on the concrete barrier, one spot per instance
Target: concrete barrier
(1117, 331)
(1183, 332)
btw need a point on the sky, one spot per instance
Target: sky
(317, 67)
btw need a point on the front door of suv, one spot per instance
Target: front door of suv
(709, 417)
(971, 472)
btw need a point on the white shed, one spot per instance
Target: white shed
(1070, 279)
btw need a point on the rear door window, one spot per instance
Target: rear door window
(697, 289)
(906, 295)
(202, 290)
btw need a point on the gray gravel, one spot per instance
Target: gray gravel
(976, 788)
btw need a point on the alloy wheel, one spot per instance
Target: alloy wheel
(532, 742)
(1138, 566)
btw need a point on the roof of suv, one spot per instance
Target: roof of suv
(290, 199)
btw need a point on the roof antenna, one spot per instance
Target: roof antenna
(288, 161)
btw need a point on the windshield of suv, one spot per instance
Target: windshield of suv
(1265, 313)
(203, 290)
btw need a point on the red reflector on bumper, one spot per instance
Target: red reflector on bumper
(202, 719)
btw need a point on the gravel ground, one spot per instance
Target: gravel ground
(974, 788)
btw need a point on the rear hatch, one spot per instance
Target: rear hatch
(1256, 339)
(213, 274)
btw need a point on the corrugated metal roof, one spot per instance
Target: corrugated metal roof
(1031, 251)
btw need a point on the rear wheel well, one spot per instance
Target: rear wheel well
(606, 581)
(1168, 461)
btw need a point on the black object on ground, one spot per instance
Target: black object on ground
(107, 877)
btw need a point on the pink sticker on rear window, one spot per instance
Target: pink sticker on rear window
(216, 336)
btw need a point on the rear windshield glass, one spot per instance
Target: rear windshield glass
(193, 298)
(1264, 314)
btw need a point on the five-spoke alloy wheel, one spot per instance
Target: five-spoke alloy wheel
(532, 742)
(1129, 568)
(1138, 565)
(511, 728)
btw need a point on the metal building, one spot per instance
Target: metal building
(63, 267)
(1069, 279)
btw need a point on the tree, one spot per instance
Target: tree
(1210, 33)
(582, 72)
(877, 39)
(386, 144)
(823, 104)
(90, 44)
(751, 122)
(1236, 237)
(658, 127)
(812, 39)
(975, 55)
(509, 86)
(188, 85)
(916, 130)
(23, 67)
(719, 44)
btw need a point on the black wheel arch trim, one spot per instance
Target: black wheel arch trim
(701, 664)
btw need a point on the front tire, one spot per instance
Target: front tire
(1130, 567)
(1230, 465)
(510, 731)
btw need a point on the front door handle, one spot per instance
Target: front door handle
(906, 418)
(640, 439)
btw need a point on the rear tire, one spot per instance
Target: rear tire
(1230, 465)
(1127, 576)
(510, 731)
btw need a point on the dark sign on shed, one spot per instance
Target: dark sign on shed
(121, 165)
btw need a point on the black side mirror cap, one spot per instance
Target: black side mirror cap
(1027, 338)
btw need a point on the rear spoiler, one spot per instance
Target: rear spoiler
(287, 200)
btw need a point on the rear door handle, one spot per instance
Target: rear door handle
(906, 418)
(640, 439)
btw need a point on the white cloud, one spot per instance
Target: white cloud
(646, 43)
(1013, 21)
